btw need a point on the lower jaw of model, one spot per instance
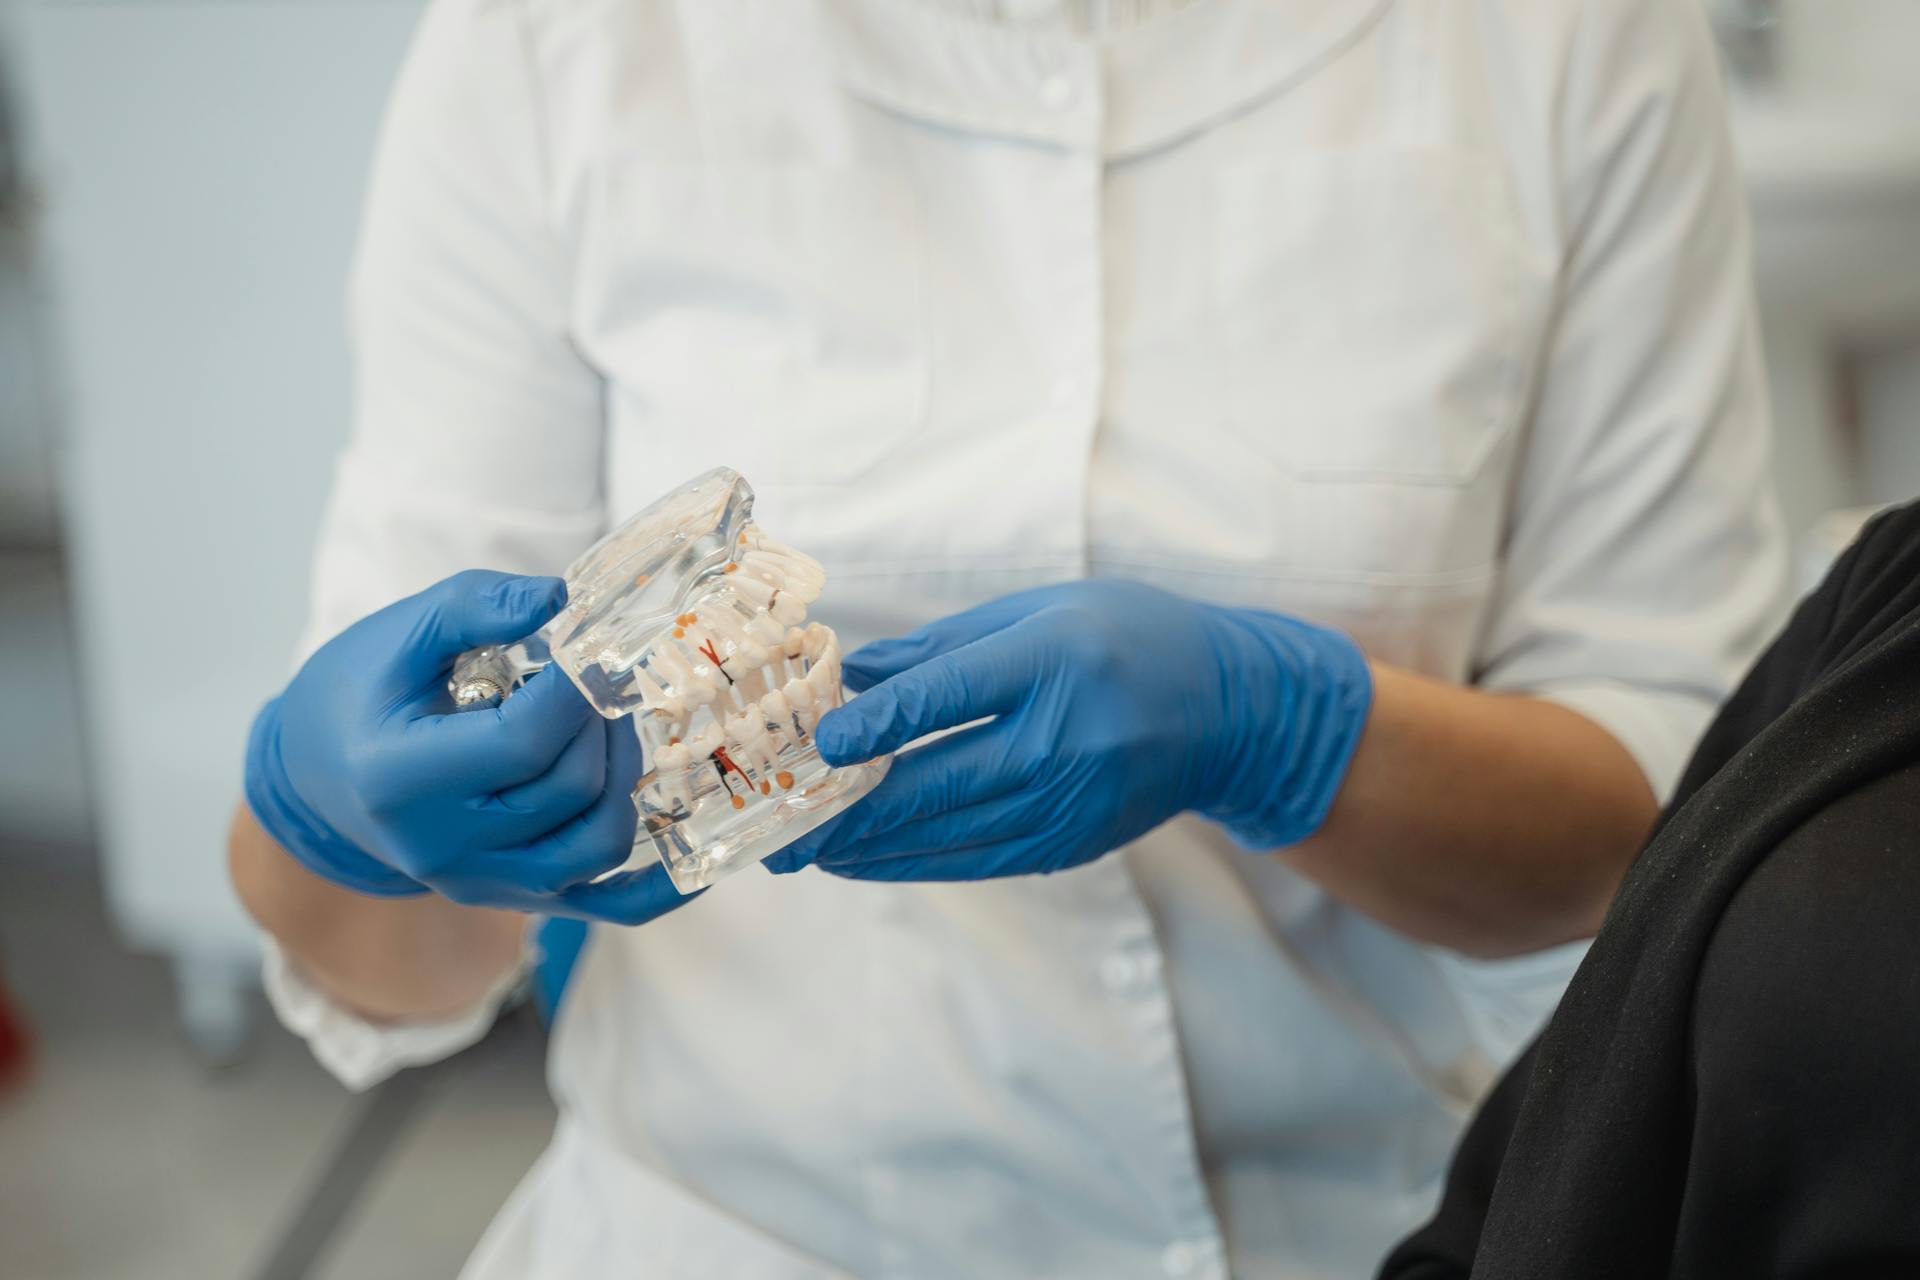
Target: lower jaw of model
(693, 623)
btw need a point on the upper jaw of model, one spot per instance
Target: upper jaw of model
(690, 620)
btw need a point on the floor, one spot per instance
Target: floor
(125, 1156)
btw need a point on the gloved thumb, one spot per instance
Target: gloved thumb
(474, 608)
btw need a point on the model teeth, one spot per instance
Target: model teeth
(744, 651)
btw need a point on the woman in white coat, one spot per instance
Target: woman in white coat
(1429, 324)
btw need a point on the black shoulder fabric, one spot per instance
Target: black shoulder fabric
(1805, 1137)
(1579, 1168)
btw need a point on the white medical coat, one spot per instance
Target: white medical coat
(1429, 321)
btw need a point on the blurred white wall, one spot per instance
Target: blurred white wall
(1846, 47)
(43, 793)
(1831, 144)
(202, 164)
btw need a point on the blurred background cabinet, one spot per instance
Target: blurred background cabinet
(199, 168)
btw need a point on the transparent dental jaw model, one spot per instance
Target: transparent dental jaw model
(691, 621)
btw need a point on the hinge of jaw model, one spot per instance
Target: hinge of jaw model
(691, 621)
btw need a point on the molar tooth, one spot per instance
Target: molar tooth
(670, 770)
(763, 630)
(702, 744)
(787, 574)
(694, 689)
(779, 711)
(787, 609)
(747, 652)
(825, 683)
(806, 704)
(750, 739)
(740, 727)
(752, 590)
(655, 700)
(723, 621)
(761, 542)
(797, 693)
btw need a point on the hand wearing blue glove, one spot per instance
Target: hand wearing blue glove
(1115, 707)
(363, 771)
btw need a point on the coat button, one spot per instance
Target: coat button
(1180, 1259)
(1121, 974)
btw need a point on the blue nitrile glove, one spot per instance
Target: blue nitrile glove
(363, 770)
(1115, 705)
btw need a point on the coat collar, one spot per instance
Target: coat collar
(1144, 86)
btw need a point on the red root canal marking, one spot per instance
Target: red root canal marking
(712, 654)
(726, 763)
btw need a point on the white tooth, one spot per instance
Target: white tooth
(779, 711)
(794, 641)
(794, 571)
(695, 690)
(751, 589)
(763, 630)
(761, 542)
(670, 773)
(701, 745)
(825, 683)
(749, 730)
(730, 627)
(814, 641)
(798, 693)
(809, 718)
(739, 727)
(699, 638)
(787, 608)
(747, 655)
(747, 689)
(785, 574)
(655, 699)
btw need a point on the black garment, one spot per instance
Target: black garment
(1731, 1085)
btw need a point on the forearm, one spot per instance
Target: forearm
(1494, 824)
(384, 958)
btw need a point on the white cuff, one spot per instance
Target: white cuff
(361, 1053)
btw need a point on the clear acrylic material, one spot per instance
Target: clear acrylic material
(691, 621)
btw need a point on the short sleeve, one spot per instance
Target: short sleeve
(478, 432)
(1645, 559)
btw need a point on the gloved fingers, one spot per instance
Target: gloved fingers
(589, 844)
(1014, 816)
(986, 677)
(871, 663)
(574, 782)
(1021, 855)
(567, 861)
(479, 606)
(495, 748)
(923, 785)
(629, 898)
